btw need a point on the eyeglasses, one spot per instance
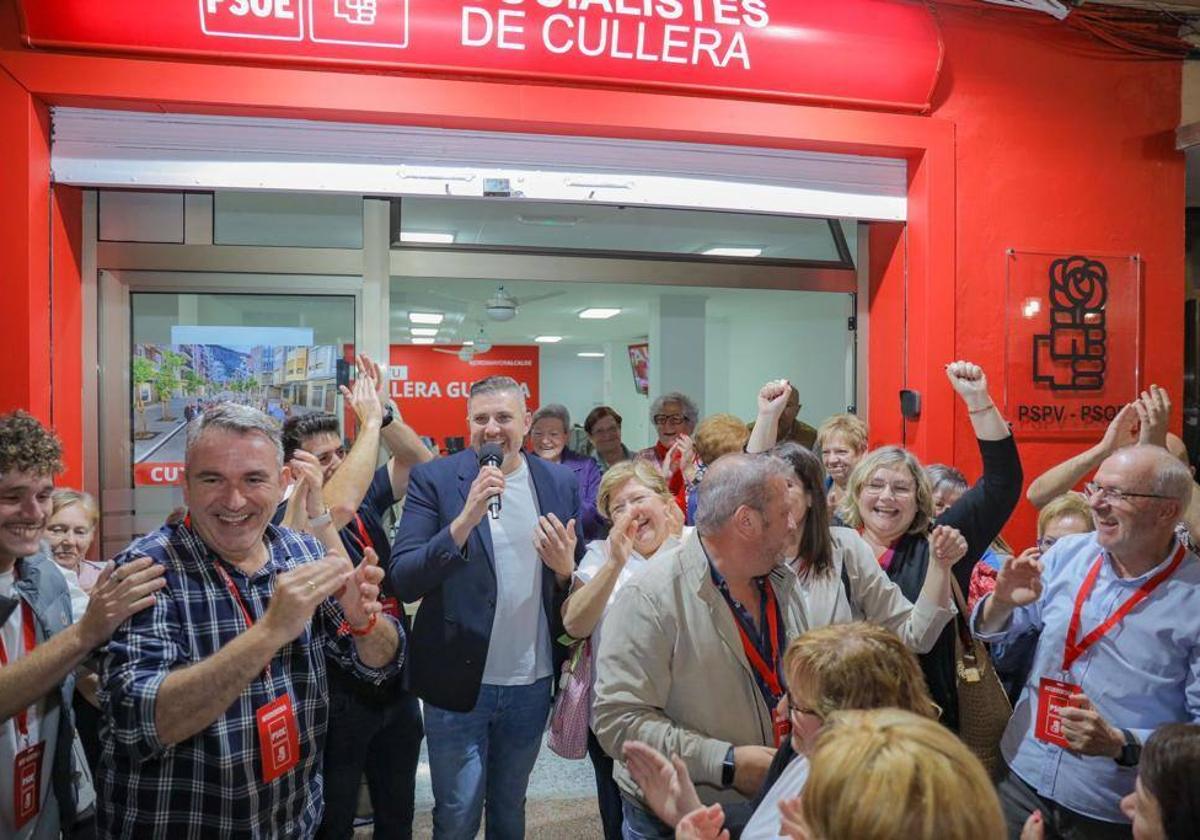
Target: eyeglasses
(899, 491)
(793, 709)
(1099, 492)
(669, 420)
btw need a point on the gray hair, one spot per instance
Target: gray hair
(732, 481)
(946, 477)
(1171, 478)
(555, 410)
(496, 385)
(689, 408)
(233, 417)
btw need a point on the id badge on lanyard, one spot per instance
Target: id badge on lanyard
(28, 761)
(278, 733)
(1054, 694)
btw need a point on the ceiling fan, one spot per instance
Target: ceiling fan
(502, 305)
(470, 348)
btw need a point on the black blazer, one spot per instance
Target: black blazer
(457, 589)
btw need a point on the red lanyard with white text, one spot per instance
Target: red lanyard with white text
(1075, 649)
(30, 638)
(278, 734)
(249, 619)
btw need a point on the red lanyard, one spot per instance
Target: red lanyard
(237, 599)
(1073, 650)
(364, 539)
(769, 673)
(29, 633)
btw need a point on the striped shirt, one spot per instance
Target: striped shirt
(211, 784)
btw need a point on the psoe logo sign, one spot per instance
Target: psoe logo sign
(1073, 355)
(359, 23)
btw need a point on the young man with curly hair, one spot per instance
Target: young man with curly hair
(41, 643)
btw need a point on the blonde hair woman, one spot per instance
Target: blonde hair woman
(848, 666)
(841, 443)
(70, 531)
(646, 525)
(889, 774)
(890, 500)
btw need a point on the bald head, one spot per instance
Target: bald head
(1156, 470)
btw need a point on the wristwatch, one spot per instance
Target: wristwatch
(1131, 752)
(321, 521)
(727, 769)
(389, 415)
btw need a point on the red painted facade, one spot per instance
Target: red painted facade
(1038, 139)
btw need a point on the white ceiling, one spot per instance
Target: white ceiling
(547, 225)
(462, 302)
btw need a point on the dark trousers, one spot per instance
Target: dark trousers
(376, 734)
(87, 724)
(607, 792)
(1018, 800)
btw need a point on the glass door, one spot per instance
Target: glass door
(169, 350)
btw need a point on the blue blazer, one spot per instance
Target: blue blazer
(457, 589)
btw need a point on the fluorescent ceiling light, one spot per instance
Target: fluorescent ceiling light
(733, 252)
(548, 339)
(548, 221)
(427, 331)
(599, 313)
(589, 355)
(468, 344)
(426, 317)
(426, 237)
(422, 340)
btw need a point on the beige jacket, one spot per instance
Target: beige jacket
(671, 670)
(876, 598)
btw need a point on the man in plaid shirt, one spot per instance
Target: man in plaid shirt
(215, 698)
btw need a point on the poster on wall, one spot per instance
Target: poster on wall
(431, 385)
(1073, 335)
(173, 382)
(639, 361)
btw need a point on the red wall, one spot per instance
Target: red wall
(1039, 139)
(1060, 146)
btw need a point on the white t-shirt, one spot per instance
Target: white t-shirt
(766, 821)
(41, 727)
(595, 558)
(519, 650)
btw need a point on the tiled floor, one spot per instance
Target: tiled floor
(561, 801)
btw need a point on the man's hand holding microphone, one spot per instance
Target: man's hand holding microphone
(484, 494)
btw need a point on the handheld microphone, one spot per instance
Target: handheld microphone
(491, 455)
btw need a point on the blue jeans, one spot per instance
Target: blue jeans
(486, 753)
(639, 823)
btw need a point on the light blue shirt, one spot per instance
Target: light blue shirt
(1143, 673)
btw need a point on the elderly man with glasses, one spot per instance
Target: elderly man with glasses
(674, 416)
(1117, 655)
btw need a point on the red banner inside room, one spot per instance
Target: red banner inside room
(430, 386)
